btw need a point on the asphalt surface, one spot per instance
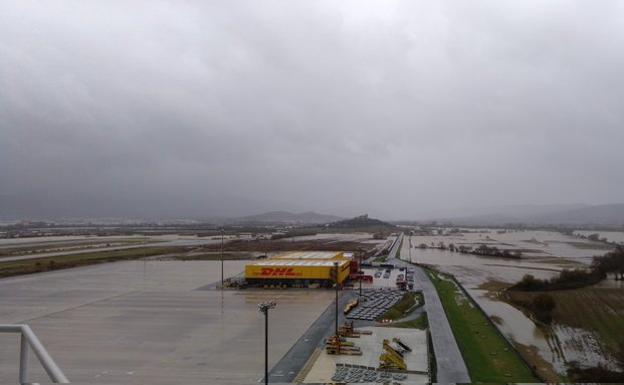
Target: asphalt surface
(293, 361)
(450, 363)
(144, 322)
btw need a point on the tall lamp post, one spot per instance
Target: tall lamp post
(264, 308)
(222, 232)
(336, 270)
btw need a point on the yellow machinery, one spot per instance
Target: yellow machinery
(347, 330)
(391, 358)
(351, 305)
(398, 341)
(338, 345)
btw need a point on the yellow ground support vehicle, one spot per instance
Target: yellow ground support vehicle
(351, 305)
(391, 358)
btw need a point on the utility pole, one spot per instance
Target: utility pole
(222, 231)
(264, 308)
(336, 269)
(360, 272)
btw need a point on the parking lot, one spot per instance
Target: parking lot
(374, 303)
(384, 277)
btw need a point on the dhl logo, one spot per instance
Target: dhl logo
(279, 272)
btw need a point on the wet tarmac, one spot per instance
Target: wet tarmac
(143, 322)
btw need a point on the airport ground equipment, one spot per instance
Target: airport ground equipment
(402, 345)
(351, 305)
(338, 345)
(391, 358)
(30, 341)
(347, 330)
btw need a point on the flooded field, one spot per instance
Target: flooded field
(544, 254)
(611, 236)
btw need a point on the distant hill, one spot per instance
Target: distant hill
(612, 214)
(363, 221)
(285, 217)
(609, 214)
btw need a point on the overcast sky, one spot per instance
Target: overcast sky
(226, 108)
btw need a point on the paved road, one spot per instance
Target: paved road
(450, 363)
(395, 247)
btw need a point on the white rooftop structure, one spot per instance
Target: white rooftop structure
(310, 255)
(286, 262)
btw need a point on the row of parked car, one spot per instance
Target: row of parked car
(385, 273)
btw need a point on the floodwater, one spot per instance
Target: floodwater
(545, 253)
(612, 236)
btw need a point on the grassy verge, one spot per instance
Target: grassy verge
(398, 254)
(38, 265)
(488, 356)
(381, 258)
(421, 323)
(401, 308)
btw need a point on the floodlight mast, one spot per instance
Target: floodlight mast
(264, 308)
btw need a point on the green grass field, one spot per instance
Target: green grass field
(399, 310)
(421, 323)
(488, 356)
(38, 265)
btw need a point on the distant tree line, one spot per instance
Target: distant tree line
(482, 250)
(612, 262)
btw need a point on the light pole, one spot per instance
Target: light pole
(222, 231)
(264, 308)
(336, 269)
(360, 272)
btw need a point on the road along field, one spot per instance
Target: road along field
(488, 356)
(483, 277)
(139, 322)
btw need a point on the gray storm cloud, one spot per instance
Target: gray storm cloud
(399, 109)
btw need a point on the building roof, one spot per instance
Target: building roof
(286, 262)
(310, 255)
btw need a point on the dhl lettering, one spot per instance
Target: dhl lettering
(279, 272)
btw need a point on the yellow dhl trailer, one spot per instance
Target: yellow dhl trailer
(274, 269)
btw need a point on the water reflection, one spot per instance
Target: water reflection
(544, 255)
